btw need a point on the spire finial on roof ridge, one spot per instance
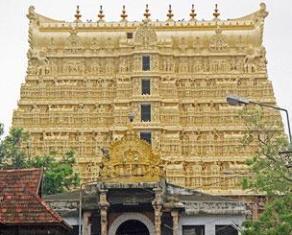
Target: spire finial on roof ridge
(216, 13)
(124, 14)
(193, 13)
(100, 14)
(77, 15)
(169, 14)
(147, 14)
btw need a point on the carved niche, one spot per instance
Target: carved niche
(218, 42)
(255, 60)
(73, 41)
(145, 35)
(38, 62)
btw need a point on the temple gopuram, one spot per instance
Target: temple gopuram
(85, 79)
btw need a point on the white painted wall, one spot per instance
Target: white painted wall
(71, 220)
(210, 221)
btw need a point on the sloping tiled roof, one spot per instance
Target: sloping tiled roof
(16, 178)
(20, 202)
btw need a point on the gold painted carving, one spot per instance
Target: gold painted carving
(84, 78)
(130, 160)
(145, 35)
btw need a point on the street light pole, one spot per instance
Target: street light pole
(237, 100)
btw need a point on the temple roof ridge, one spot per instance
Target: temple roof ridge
(259, 14)
(32, 15)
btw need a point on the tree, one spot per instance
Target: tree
(275, 220)
(1, 129)
(11, 153)
(59, 176)
(271, 175)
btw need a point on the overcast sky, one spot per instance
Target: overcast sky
(14, 28)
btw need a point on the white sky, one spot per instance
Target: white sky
(14, 28)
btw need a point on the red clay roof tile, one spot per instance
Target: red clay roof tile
(20, 202)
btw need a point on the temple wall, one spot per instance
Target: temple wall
(210, 222)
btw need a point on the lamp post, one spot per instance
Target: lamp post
(237, 100)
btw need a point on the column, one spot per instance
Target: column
(254, 209)
(157, 218)
(175, 215)
(103, 220)
(86, 224)
(103, 207)
(157, 205)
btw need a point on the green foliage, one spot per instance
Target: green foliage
(12, 155)
(59, 176)
(275, 220)
(270, 168)
(1, 129)
(271, 174)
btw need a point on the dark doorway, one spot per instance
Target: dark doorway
(226, 230)
(132, 227)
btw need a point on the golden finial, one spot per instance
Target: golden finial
(100, 14)
(147, 13)
(216, 13)
(169, 14)
(124, 15)
(193, 13)
(77, 15)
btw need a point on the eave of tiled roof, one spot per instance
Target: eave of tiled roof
(20, 201)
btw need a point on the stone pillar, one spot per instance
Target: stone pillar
(157, 219)
(103, 207)
(254, 209)
(175, 215)
(157, 205)
(86, 224)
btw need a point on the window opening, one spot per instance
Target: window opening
(145, 89)
(145, 113)
(145, 62)
(146, 136)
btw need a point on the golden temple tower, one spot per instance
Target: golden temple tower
(84, 78)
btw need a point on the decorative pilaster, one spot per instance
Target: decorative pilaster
(103, 207)
(86, 224)
(157, 205)
(174, 215)
(254, 209)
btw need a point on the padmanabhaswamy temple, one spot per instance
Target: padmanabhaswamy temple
(181, 153)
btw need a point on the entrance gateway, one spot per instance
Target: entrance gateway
(133, 227)
(132, 224)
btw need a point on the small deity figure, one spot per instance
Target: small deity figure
(255, 60)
